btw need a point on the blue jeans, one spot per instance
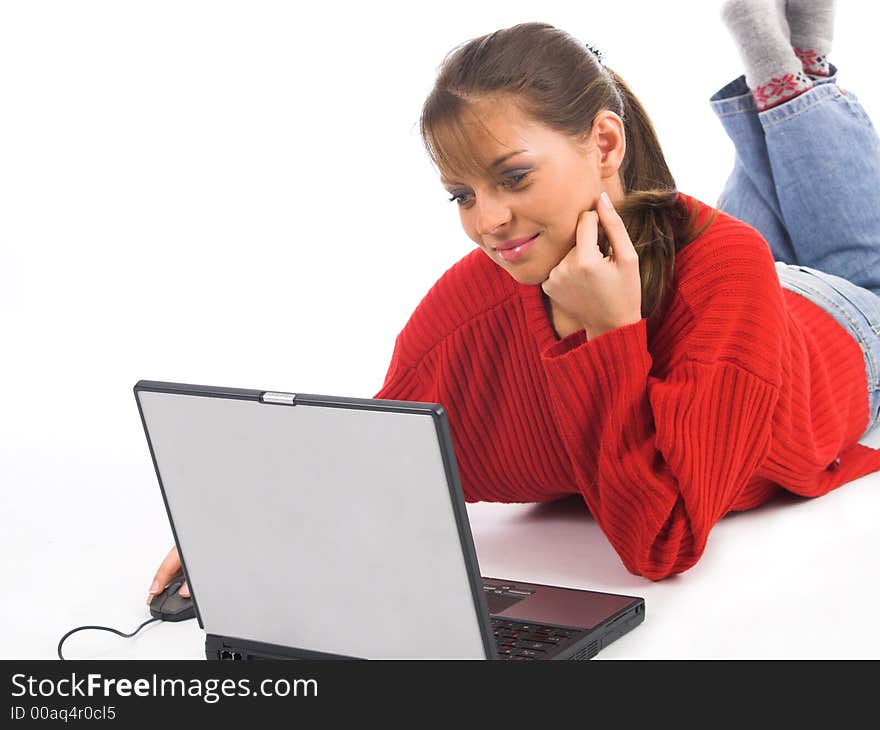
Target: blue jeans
(807, 176)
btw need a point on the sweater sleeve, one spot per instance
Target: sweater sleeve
(403, 381)
(660, 460)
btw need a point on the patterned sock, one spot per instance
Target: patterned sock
(812, 30)
(760, 30)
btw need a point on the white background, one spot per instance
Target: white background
(235, 193)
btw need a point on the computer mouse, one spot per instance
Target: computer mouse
(169, 605)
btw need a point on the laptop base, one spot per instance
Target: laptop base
(231, 649)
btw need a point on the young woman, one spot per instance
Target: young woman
(616, 339)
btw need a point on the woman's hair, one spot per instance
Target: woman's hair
(560, 82)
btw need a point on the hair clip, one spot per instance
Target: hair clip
(596, 52)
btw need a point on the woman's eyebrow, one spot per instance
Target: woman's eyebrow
(495, 164)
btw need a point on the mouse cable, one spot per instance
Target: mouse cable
(103, 628)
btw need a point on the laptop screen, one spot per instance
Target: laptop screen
(330, 529)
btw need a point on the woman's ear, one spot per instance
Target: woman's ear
(610, 139)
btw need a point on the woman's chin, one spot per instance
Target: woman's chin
(527, 272)
(529, 276)
(532, 280)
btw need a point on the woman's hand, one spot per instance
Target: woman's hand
(603, 293)
(169, 568)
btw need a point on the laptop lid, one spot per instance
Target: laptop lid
(332, 524)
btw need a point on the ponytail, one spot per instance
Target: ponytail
(657, 224)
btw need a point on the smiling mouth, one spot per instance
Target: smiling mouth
(517, 252)
(516, 248)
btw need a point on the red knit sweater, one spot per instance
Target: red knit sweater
(741, 389)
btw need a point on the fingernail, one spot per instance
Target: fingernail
(606, 201)
(184, 593)
(149, 599)
(154, 588)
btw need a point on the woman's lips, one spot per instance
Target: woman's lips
(512, 254)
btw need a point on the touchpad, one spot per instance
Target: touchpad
(499, 598)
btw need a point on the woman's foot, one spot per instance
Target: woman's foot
(811, 23)
(774, 73)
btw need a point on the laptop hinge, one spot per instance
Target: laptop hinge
(284, 399)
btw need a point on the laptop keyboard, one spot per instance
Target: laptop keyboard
(518, 639)
(527, 642)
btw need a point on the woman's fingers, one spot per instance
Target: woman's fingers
(169, 568)
(622, 248)
(600, 292)
(587, 238)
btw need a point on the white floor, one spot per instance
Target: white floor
(85, 528)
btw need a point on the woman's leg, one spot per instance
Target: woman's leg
(825, 160)
(816, 172)
(773, 73)
(750, 191)
(813, 164)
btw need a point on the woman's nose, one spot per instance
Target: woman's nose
(491, 215)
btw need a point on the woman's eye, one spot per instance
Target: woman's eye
(514, 179)
(509, 181)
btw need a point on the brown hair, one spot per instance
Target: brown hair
(560, 82)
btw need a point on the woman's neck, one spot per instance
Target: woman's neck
(563, 324)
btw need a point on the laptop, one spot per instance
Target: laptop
(324, 527)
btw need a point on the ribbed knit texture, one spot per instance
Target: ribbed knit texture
(739, 390)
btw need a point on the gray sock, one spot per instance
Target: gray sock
(760, 30)
(812, 30)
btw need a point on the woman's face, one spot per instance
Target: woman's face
(548, 180)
